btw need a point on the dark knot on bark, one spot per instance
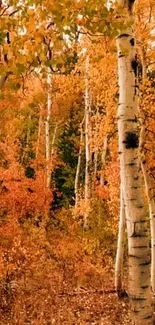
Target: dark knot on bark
(131, 140)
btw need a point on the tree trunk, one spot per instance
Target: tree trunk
(39, 132)
(53, 140)
(78, 166)
(150, 188)
(95, 130)
(47, 127)
(87, 147)
(120, 248)
(149, 182)
(138, 245)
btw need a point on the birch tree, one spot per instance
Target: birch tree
(87, 147)
(47, 127)
(39, 130)
(138, 246)
(119, 286)
(149, 187)
(53, 139)
(95, 135)
(78, 166)
(149, 181)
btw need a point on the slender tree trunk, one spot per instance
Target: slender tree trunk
(47, 127)
(96, 151)
(53, 140)
(138, 244)
(39, 131)
(78, 166)
(87, 147)
(120, 248)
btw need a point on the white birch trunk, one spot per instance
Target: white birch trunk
(87, 148)
(39, 132)
(138, 246)
(53, 140)
(150, 189)
(78, 167)
(96, 151)
(120, 248)
(47, 127)
(149, 183)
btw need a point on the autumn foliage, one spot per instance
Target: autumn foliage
(47, 259)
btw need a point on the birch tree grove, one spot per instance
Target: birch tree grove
(138, 246)
(77, 153)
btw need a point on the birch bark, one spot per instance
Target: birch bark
(120, 248)
(39, 131)
(78, 166)
(47, 127)
(95, 132)
(150, 188)
(87, 148)
(149, 182)
(138, 246)
(53, 140)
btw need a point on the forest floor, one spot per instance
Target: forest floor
(86, 307)
(81, 307)
(58, 278)
(72, 306)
